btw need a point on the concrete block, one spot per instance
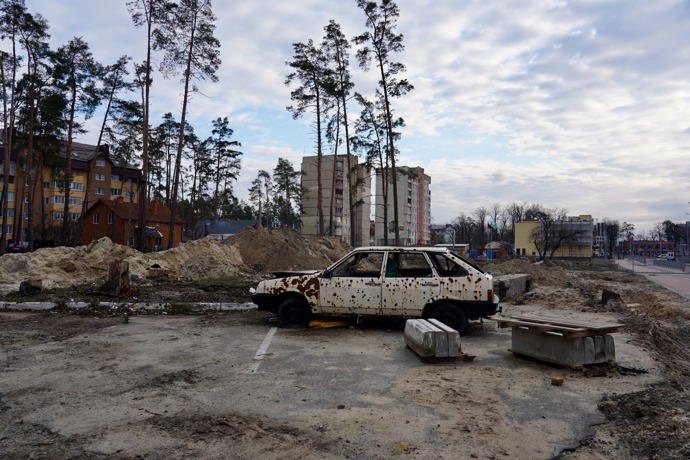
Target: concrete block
(431, 338)
(452, 338)
(511, 286)
(555, 348)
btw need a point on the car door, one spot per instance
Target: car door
(354, 286)
(409, 283)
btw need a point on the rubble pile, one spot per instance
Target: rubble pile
(251, 251)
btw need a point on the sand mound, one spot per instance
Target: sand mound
(268, 249)
(251, 250)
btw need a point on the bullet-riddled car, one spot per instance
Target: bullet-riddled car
(427, 282)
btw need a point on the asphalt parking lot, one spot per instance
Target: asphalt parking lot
(150, 386)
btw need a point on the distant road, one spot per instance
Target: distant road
(674, 280)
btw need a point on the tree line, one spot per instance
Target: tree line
(48, 94)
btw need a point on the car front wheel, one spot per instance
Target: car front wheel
(294, 313)
(452, 316)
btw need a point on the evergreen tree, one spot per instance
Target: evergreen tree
(312, 73)
(77, 73)
(227, 163)
(288, 192)
(380, 42)
(189, 45)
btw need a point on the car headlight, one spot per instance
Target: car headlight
(252, 291)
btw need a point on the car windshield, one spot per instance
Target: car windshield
(360, 264)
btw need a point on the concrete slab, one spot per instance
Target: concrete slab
(432, 338)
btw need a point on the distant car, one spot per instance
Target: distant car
(667, 256)
(427, 282)
(17, 247)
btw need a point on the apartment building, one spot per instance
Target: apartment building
(414, 208)
(95, 175)
(336, 198)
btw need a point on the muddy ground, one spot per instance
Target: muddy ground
(91, 386)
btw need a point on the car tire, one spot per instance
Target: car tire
(294, 313)
(452, 316)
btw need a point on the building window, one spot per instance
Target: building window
(129, 195)
(100, 176)
(13, 167)
(110, 218)
(75, 201)
(338, 182)
(338, 191)
(100, 162)
(46, 185)
(338, 210)
(116, 191)
(100, 191)
(339, 173)
(10, 196)
(72, 186)
(339, 163)
(95, 217)
(117, 177)
(59, 199)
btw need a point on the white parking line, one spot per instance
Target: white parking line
(259, 356)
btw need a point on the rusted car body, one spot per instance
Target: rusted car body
(427, 282)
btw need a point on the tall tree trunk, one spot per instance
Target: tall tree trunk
(319, 164)
(67, 179)
(143, 185)
(178, 161)
(391, 148)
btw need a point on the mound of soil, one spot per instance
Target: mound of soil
(268, 249)
(252, 251)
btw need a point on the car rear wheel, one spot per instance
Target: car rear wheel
(452, 316)
(294, 313)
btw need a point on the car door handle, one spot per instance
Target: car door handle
(372, 283)
(429, 284)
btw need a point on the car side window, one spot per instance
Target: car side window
(448, 267)
(361, 264)
(407, 265)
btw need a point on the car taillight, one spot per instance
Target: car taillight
(490, 295)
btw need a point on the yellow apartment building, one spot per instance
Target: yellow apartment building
(94, 175)
(577, 245)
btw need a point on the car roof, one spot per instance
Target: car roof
(403, 248)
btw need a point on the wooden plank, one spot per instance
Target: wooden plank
(565, 328)
(573, 322)
(538, 326)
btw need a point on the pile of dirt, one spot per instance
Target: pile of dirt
(268, 249)
(251, 251)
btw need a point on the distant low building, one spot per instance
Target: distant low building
(119, 221)
(573, 236)
(220, 229)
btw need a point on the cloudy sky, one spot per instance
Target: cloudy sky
(579, 105)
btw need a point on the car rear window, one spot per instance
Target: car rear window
(448, 267)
